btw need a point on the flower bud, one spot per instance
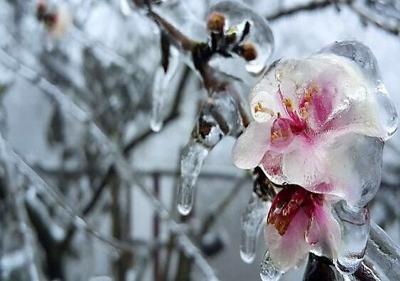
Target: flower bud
(249, 51)
(216, 22)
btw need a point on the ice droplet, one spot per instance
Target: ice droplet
(161, 89)
(252, 220)
(260, 33)
(269, 272)
(192, 159)
(355, 232)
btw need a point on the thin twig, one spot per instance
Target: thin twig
(314, 5)
(156, 230)
(216, 212)
(317, 5)
(395, 30)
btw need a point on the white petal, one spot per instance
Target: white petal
(304, 165)
(250, 147)
(354, 165)
(347, 166)
(329, 231)
(385, 115)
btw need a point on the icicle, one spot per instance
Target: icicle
(205, 136)
(191, 162)
(161, 88)
(355, 233)
(269, 272)
(251, 224)
(157, 101)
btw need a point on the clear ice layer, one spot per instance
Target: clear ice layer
(252, 221)
(260, 35)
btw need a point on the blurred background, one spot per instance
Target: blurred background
(73, 94)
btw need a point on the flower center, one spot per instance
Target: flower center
(288, 202)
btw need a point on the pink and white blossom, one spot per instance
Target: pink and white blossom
(319, 127)
(307, 115)
(295, 222)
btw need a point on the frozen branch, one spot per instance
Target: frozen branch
(368, 18)
(122, 166)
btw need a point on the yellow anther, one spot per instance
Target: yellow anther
(276, 135)
(259, 108)
(304, 111)
(288, 103)
(310, 91)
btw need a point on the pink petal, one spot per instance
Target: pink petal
(291, 248)
(250, 147)
(271, 164)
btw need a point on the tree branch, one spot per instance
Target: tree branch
(314, 5)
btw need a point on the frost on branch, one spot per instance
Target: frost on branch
(318, 132)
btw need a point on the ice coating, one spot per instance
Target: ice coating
(268, 271)
(363, 57)
(252, 220)
(260, 34)
(326, 121)
(354, 236)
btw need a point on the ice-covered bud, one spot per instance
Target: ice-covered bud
(56, 20)
(298, 222)
(247, 36)
(320, 123)
(216, 22)
(248, 51)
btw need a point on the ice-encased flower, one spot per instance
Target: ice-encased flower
(320, 123)
(319, 127)
(298, 222)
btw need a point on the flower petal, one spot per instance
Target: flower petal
(362, 56)
(354, 167)
(326, 230)
(347, 166)
(250, 147)
(290, 249)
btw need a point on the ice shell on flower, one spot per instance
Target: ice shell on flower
(349, 98)
(363, 57)
(327, 120)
